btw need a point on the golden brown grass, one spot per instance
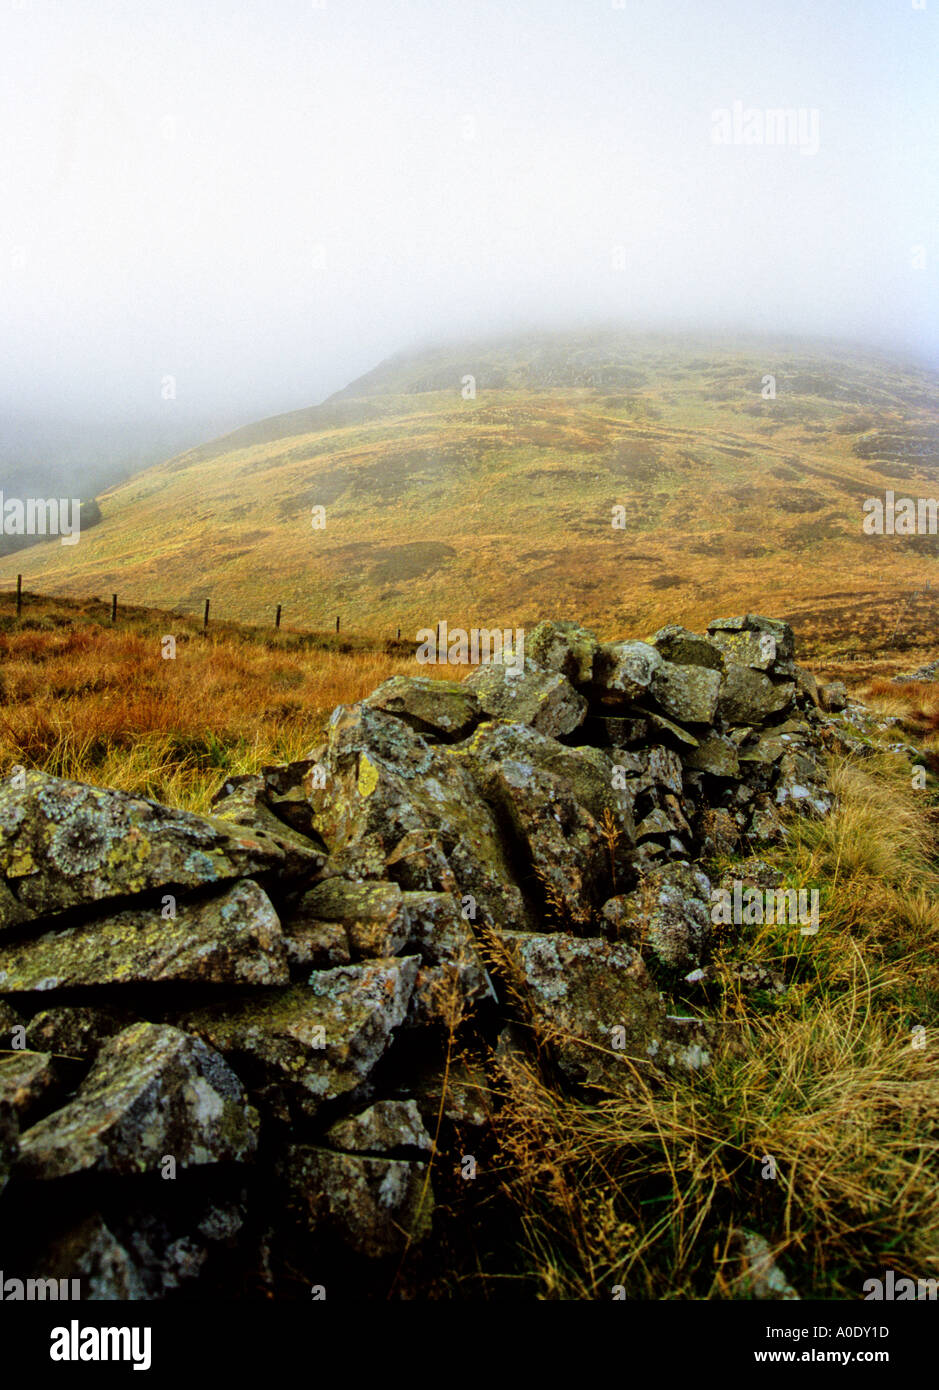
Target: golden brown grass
(102, 705)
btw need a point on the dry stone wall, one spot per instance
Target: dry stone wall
(226, 1032)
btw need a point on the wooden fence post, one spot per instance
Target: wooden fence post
(205, 616)
(277, 617)
(337, 622)
(19, 594)
(114, 608)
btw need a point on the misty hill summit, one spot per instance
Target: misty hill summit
(618, 478)
(262, 998)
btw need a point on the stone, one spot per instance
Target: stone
(153, 1091)
(74, 1031)
(670, 910)
(385, 784)
(314, 1042)
(715, 755)
(750, 697)
(683, 648)
(452, 977)
(754, 622)
(754, 649)
(27, 1081)
(565, 647)
(553, 802)
(245, 801)
(545, 700)
(231, 937)
(437, 708)
(624, 670)
(579, 989)
(833, 696)
(63, 844)
(687, 693)
(378, 1206)
(760, 1276)
(372, 914)
(384, 1128)
(320, 945)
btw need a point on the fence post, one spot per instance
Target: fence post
(205, 616)
(337, 622)
(399, 634)
(114, 608)
(277, 617)
(19, 594)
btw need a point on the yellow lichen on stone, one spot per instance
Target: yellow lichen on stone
(368, 776)
(20, 863)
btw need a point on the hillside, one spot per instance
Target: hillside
(498, 509)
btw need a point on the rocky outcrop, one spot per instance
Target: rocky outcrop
(267, 998)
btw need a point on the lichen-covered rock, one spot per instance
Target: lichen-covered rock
(538, 785)
(684, 648)
(623, 671)
(451, 978)
(833, 696)
(716, 755)
(687, 693)
(63, 844)
(375, 1205)
(388, 787)
(153, 1092)
(74, 1030)
(780, 632)
(372, 914)
(384, 1128)
(246, 801)
(316, 945)
(670, 910)
(440, 709)
(545, 700)
(91, 1253)
(232, 937)
(750, 697)
(313, 1042)
(27, 1080)
(566, 647)
(580, 990)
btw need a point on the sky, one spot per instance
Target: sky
(214, 212)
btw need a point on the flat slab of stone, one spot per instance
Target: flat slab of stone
(233, 937)
(153, 1091)
(447, 709)
(314, 1041)
(63, 844)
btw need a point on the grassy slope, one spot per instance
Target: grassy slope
(498, 510)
